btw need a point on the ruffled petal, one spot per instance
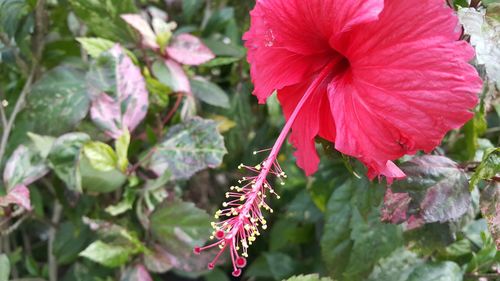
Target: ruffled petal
(308, 123)
(400, 22)
(405, 105)
(288, 39)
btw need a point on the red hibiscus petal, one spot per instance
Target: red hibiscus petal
(188, 49)
(308, 124)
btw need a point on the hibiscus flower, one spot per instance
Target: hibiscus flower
(380, 79)
(394, 76)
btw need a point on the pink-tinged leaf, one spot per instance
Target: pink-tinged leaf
(179, 81)
(129, 104)
(143, 27)
(490, 208)
(105, 112)
(136, 273)
(19, 195)
(188, 49)
(395, 207)
(24, 167)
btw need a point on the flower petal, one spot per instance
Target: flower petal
(294, 34)
(308, 124)
(188, 49)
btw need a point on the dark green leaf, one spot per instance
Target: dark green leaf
(57, 102)
(64, 157)
(70, 241)
(103, 17)
(190, 7)
(209, 92)
(188, 148)
(218, 20)
(11, 14)
(281, 265)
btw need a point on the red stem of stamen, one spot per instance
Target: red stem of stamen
(241, 228)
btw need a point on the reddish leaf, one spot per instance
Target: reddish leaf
(143, 27)
(128, 106)
(136, 273)
(395, 207)
(490, 208)
(19, 195)
(188, 49)
(435, 190)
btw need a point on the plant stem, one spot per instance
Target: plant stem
(56, 217)
(38, 47)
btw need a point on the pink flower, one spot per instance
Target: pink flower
(393, 77)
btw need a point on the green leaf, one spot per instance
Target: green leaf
(121, 146)
(107, 254)
(103, 17)
(70, 240)
(126, 204)
(95, 46)
(336, 244)
(188, 148)
(490, 208)
(218, 20)
(221, 61)
(57, 102)
(100, 155)
(396, 267)
(381, 239)
(280, 265)
(346, 233)
(64, 156)
(180, 226)
(42, 143)
(190, 7)
(221, 49)
(209, 93)
(310, 277)
(4, 267)
(438, 189)
(489, 167)
(440, 271)
(98, 181)
(11, 14)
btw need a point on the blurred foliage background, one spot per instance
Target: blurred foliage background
(77, 204)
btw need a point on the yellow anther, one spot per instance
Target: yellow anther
(242, 197)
